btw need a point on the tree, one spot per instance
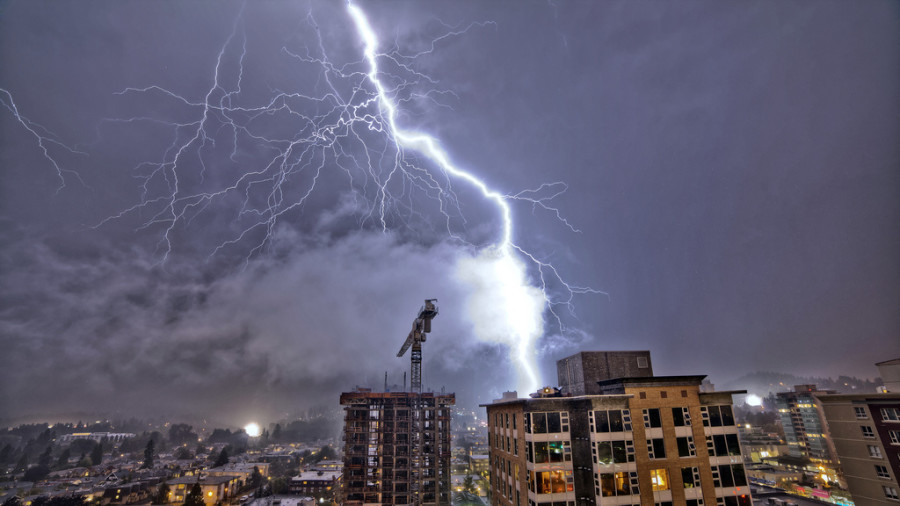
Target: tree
(36, 473)
(255, 477)
(222, 459)
(183, 454)
(97, 454)
(162, 494)
(469, 484)
(195, 496)
(327, 453)
(148, 455)
(23, 463)
(5, 453)
(44, 459)
(182, 433)
(63, 461)
(276, 433)
(278, 486)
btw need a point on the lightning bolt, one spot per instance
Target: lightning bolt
(351, 124)
(508, 268)
(44, 139)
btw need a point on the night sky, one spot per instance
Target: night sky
(731, 174)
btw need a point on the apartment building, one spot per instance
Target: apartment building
(635, 440)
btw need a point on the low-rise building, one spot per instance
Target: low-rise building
(214, 488)
(316, 483)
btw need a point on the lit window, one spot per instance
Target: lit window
(660, 479)
(622, 483)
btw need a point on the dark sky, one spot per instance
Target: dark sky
(732, 171)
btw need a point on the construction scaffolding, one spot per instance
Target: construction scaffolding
(396, 447)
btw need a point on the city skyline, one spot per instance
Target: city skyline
(725, 176)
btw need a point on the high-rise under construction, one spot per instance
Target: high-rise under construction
(397, 444)
(396, 447)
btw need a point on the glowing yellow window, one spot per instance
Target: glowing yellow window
(660, 479)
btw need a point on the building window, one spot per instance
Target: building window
(890, 414)
(548, 423)
(549, 452)
(729, 476)
(694, 502)
(717, 416)
(514, 421)
(642, 362)
(663, 395)
(690, 476)
(659, 478)
(723, 445)
(860, 412)
(894, 435)
(890, 493)
(552, 482)
(615, 420)
(656, 449)
(684, 393)
(686, 446)
(642, 395)
(867, 432)
(617, 484)
(613, 452)
(882, 471)
(875, 452)
(652, 418)
(681, 417)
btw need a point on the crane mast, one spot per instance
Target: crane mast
(420, 328)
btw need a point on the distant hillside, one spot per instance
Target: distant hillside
(763, 383)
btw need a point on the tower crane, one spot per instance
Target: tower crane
(421, 326)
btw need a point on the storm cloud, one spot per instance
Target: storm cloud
(732, 171)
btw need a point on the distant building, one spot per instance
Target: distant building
(804, 425)
(396, 447)
(215, 488)
(96, 436)
(242, 470)
(865, 429)
(631, 440)
(316, 483)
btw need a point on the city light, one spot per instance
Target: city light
(252, 429)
